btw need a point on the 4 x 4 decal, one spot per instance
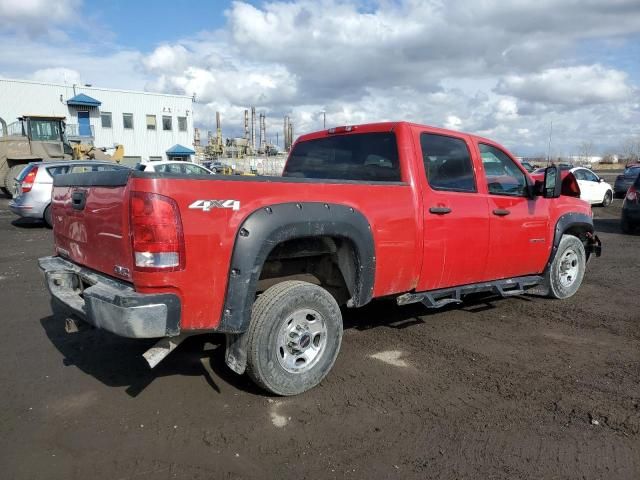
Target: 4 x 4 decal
(206, 205)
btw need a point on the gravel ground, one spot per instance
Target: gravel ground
(516, 388)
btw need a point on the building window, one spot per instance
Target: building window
(127, 120)
(105, 119)
(151, 122)
(155, 159)
(166, 123)
(182, 124)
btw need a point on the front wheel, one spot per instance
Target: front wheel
(608, 198)
(566, 272)
(294, 337)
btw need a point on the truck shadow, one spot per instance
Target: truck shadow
(387, 314)
(118, 362)
(28, 223)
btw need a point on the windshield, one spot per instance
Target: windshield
(632, 171)
(45, 130)
(363, 157)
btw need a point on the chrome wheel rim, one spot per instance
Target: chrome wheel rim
(569, 266)
(302, 340)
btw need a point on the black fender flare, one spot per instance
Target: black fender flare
(271, 225)
(567, 222)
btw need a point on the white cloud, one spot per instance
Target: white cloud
(57, 75)
(579, 85)
(29, 14)
(453, 122)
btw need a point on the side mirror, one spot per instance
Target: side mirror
(600, 180)
(552, 182)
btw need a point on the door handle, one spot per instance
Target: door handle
(440, 210)
(501, 212)
(78, 199)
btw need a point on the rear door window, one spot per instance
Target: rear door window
(368, 157)
(447, 163)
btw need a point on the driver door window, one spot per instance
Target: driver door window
(590, 176)
(502, 174)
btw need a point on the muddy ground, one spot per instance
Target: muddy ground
(518, 388)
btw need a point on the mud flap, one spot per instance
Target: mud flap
(236, 353)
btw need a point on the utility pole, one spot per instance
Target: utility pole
(549, 147)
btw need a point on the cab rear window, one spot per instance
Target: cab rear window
(369, 157)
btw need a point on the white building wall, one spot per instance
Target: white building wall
(21, 97)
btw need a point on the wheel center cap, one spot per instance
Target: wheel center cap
(305, 340)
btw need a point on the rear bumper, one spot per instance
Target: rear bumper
(109, 304)
(631, 213)
(29, 211)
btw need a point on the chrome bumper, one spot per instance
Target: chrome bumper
(109, 304)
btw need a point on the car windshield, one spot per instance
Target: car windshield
(632, 171)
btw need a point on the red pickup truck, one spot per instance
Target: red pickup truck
(361, 212)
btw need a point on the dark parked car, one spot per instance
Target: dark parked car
(631, 208)
(624, 181)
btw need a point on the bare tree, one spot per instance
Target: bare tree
(586, 151)
(631, 149)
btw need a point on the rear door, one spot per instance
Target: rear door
(519, 243)
(455, 213)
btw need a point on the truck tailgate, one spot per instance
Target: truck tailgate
(90, 221)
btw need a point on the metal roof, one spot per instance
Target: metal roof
(178, 150)
(82, 100)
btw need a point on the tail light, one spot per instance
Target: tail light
(570, 186)
(156, 233)
(29, 180)
(632, 195)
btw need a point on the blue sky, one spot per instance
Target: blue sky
(504, 70)
(144, 25)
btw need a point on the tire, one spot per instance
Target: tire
(47, 217)
(9, 180)
(293, 338)
(566, 272)
(608, 198)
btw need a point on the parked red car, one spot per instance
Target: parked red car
(361, 212)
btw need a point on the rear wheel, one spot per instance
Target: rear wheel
(608, 198)
(566, 272)
(48, 218)
(294, 337)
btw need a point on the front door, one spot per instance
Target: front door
(455, 214)
(84, 127)
(591, 190)
(519, 239)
